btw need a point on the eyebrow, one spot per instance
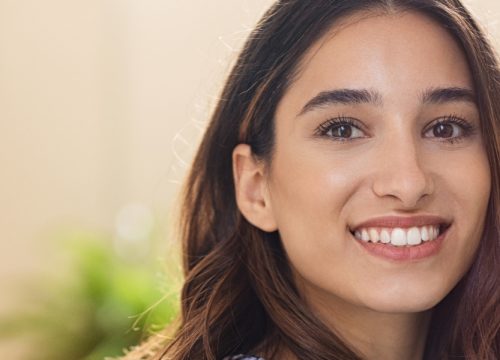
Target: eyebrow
(450, 94)
(342, 97)
(436, 95)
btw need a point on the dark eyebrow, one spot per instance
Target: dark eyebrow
(451, 94)
(343, 97)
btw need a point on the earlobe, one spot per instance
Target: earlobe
(250, 189)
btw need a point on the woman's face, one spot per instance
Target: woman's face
(380, 122)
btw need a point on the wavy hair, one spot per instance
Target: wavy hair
(239, 295)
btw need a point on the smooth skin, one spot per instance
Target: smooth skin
(394, 160)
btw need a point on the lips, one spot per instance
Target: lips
(400, 231)
(402, 222)
(399, 236)
(395, 237)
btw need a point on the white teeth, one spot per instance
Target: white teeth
(425, 233)
(374, 237)
(413, 236)
(398, 237)
(385, 236)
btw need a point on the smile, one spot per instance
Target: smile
(400, 236)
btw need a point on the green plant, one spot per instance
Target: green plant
(106, 305)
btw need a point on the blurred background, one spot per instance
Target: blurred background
(102, 103)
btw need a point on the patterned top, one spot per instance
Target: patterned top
(242, 357)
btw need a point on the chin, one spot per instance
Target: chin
(405, 299)
(414, 307)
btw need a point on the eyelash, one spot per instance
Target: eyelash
(333, 123)
(467, 128)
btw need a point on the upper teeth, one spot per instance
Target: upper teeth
(398, 236)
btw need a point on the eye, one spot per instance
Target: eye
(340, 129)
(450, 128)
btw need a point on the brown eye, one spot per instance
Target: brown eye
(340, 129)
(450, 129)
(443, 130)
(343, 131)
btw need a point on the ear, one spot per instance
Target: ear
(252, 196)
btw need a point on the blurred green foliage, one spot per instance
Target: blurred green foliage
(103, 305)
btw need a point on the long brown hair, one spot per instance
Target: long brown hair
(239, 296)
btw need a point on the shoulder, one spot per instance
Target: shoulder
(242, 357)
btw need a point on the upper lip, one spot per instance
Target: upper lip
(402, 221)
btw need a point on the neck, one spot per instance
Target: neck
(375, 334)
(385, 336)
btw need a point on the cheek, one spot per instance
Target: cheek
(467, 184)
(464, 189)
(479, 180)
(309, 188)
(311, 191)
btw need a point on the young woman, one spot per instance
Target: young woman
(344, 202)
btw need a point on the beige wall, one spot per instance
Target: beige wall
(92, 95)
(101, 102)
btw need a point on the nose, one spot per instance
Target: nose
(399, 173)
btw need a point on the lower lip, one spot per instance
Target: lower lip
(405, 253)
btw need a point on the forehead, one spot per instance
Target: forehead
(398, 55)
